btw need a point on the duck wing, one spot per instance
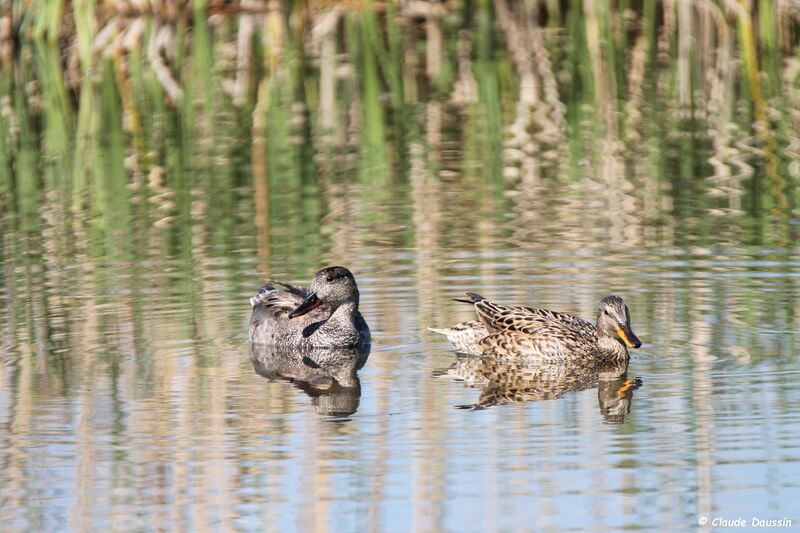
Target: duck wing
(493, 316)
(527, 320)
(276, 302)
(557, 319)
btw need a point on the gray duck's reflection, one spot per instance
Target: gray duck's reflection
(503, 381)
(329, 376)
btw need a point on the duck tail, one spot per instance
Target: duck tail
(265, 290)
(442, 331)
(474, 298)
(261, 294)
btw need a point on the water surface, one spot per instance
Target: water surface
(129, 399)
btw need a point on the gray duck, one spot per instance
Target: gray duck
(324, 315)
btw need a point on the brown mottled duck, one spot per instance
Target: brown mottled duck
(546, 336)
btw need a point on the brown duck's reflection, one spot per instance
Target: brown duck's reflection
(329, 376)
(507, 381)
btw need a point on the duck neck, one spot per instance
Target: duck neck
(340, 328)
(611, 346)
(342, 319)
(345, 311)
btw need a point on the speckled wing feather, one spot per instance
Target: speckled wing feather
(528, 320)
(549, 336)
(276, 302)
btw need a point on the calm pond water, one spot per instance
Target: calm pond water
(128, 398)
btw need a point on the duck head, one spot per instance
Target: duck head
(334, 286)
(614, 321)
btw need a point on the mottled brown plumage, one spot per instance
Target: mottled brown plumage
(547, 336)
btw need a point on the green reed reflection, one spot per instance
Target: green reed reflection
(681, 112)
